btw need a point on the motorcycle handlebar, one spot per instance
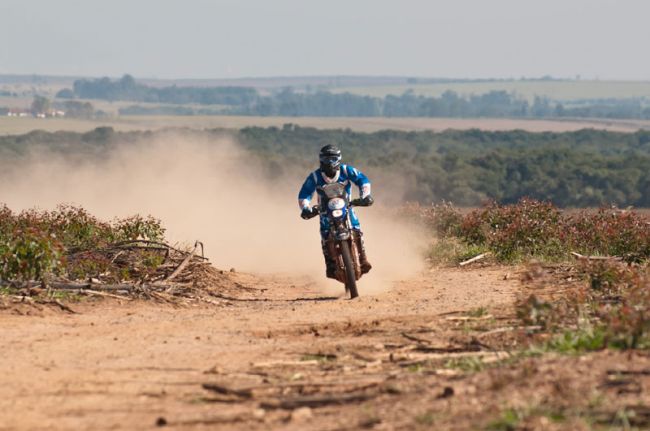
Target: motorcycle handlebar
(315, 210)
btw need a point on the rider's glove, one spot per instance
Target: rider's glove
(363, 202)
(308, 213)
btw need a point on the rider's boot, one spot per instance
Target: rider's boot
(363, 258)
(330, 264)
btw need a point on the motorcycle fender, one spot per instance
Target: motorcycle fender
(343, 236)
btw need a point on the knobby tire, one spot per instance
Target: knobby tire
(350, 276)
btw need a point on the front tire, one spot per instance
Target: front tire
(350, 276)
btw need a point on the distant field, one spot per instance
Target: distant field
(557, 90)
(12, 126)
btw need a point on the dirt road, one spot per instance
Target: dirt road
(281, 356)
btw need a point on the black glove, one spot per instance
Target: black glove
(308, 213)
(363, 202)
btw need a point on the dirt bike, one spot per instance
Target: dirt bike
(342, 239)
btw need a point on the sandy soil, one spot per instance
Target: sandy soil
(281, 355)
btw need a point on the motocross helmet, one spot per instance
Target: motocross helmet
(330, 160)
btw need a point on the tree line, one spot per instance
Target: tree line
(128, 89)
(574, 169)
(287, 102)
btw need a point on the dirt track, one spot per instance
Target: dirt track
(269, 358)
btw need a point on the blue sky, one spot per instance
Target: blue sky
(607, 39)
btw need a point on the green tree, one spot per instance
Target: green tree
(41, 105)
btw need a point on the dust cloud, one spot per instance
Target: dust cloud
(213, 191)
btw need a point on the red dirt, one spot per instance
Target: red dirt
(133, 365)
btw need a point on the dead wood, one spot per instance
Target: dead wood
(474, 259)
(644, 372)
(249, 391)
(429, 349)
(104, 294)
(582, 257)
(416, 339)
(224, 390)
(183, 264)
(94, 286)
(58, 303)
(181, 276)
(285, 363)
(317, 400)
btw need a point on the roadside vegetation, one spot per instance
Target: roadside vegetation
(597, 259)
(586, 292)
(537, 230)
(67, 253)
(604, 254)
(68, 242)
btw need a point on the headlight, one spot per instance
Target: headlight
(337, 213)
(336, 204)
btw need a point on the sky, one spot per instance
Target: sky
(604, 39)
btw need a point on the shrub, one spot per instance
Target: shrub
(35, 244)
(138, 227)
(534, 229)
(29, 254)
(526, 229)
(77, 229)
(609, 232)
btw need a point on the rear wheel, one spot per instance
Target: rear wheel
(350, 276)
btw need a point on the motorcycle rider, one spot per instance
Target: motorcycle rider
(331, 170)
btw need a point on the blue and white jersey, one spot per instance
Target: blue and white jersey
(347, 175)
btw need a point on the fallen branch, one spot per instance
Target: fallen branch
(183, 264)
(461, 349)
(56, 302)
(86, 286)
(582, 257)
(223, 390)
(104, 294)
(474, 259)
(645, 372)
(317, 400)
(416, 339)
(285, 363)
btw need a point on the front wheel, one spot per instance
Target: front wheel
(350, 276)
